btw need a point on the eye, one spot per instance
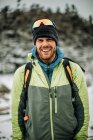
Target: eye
(39, 40)
(49, 39)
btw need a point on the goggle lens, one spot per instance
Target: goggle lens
(46, 22)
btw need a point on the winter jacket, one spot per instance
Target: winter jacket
(49, 105)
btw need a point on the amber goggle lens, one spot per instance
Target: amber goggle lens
(42, 21)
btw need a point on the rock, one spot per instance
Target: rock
(24, 35)
(4, 110)
(7, 68)
(9, 33)
(4, 89)
(91, 127)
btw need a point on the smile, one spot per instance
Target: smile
(46, 49)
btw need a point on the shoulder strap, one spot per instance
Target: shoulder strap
(27, 76)
(68, 59)
(23, 98)
(69, 75)
(68, 70)
(74, 93)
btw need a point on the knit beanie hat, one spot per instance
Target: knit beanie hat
(45, 31)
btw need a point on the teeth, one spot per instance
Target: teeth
(47, 49)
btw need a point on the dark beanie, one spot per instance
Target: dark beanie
(45, 31)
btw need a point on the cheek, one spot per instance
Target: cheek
(54, 49)
(37, 47)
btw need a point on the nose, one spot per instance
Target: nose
(45, 42)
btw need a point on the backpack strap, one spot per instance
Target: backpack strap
(66, 58)
(69, 76)
(27, 76)
(23, 99)
(68, 70)
(74, 92)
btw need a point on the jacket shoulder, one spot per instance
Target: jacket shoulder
(19, 75)
(20, 69)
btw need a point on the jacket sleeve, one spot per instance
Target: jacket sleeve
(16, 91)
(79, 79)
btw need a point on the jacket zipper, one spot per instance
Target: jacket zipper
(48, 71)
(51, 117)
(55, 95)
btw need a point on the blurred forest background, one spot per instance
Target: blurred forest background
(75, 38)
(15, 31)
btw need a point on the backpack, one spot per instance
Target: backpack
(24, 95)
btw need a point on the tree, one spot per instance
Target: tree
(67, 9)
(58, 10)
(18, 3)
(49, 11)
(4, 12)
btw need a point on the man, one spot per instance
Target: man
(51, 114)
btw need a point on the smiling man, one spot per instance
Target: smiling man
(46, 49)
(50, 113)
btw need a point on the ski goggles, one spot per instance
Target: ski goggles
(45, 22)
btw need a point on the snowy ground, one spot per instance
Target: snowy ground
(91, 110)
(5, 120)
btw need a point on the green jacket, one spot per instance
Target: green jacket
(49, 106)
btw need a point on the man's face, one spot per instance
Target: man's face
(46, 49)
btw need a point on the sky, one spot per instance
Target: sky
(84, 7)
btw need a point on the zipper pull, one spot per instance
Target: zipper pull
(55, 94)
(50, 94)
